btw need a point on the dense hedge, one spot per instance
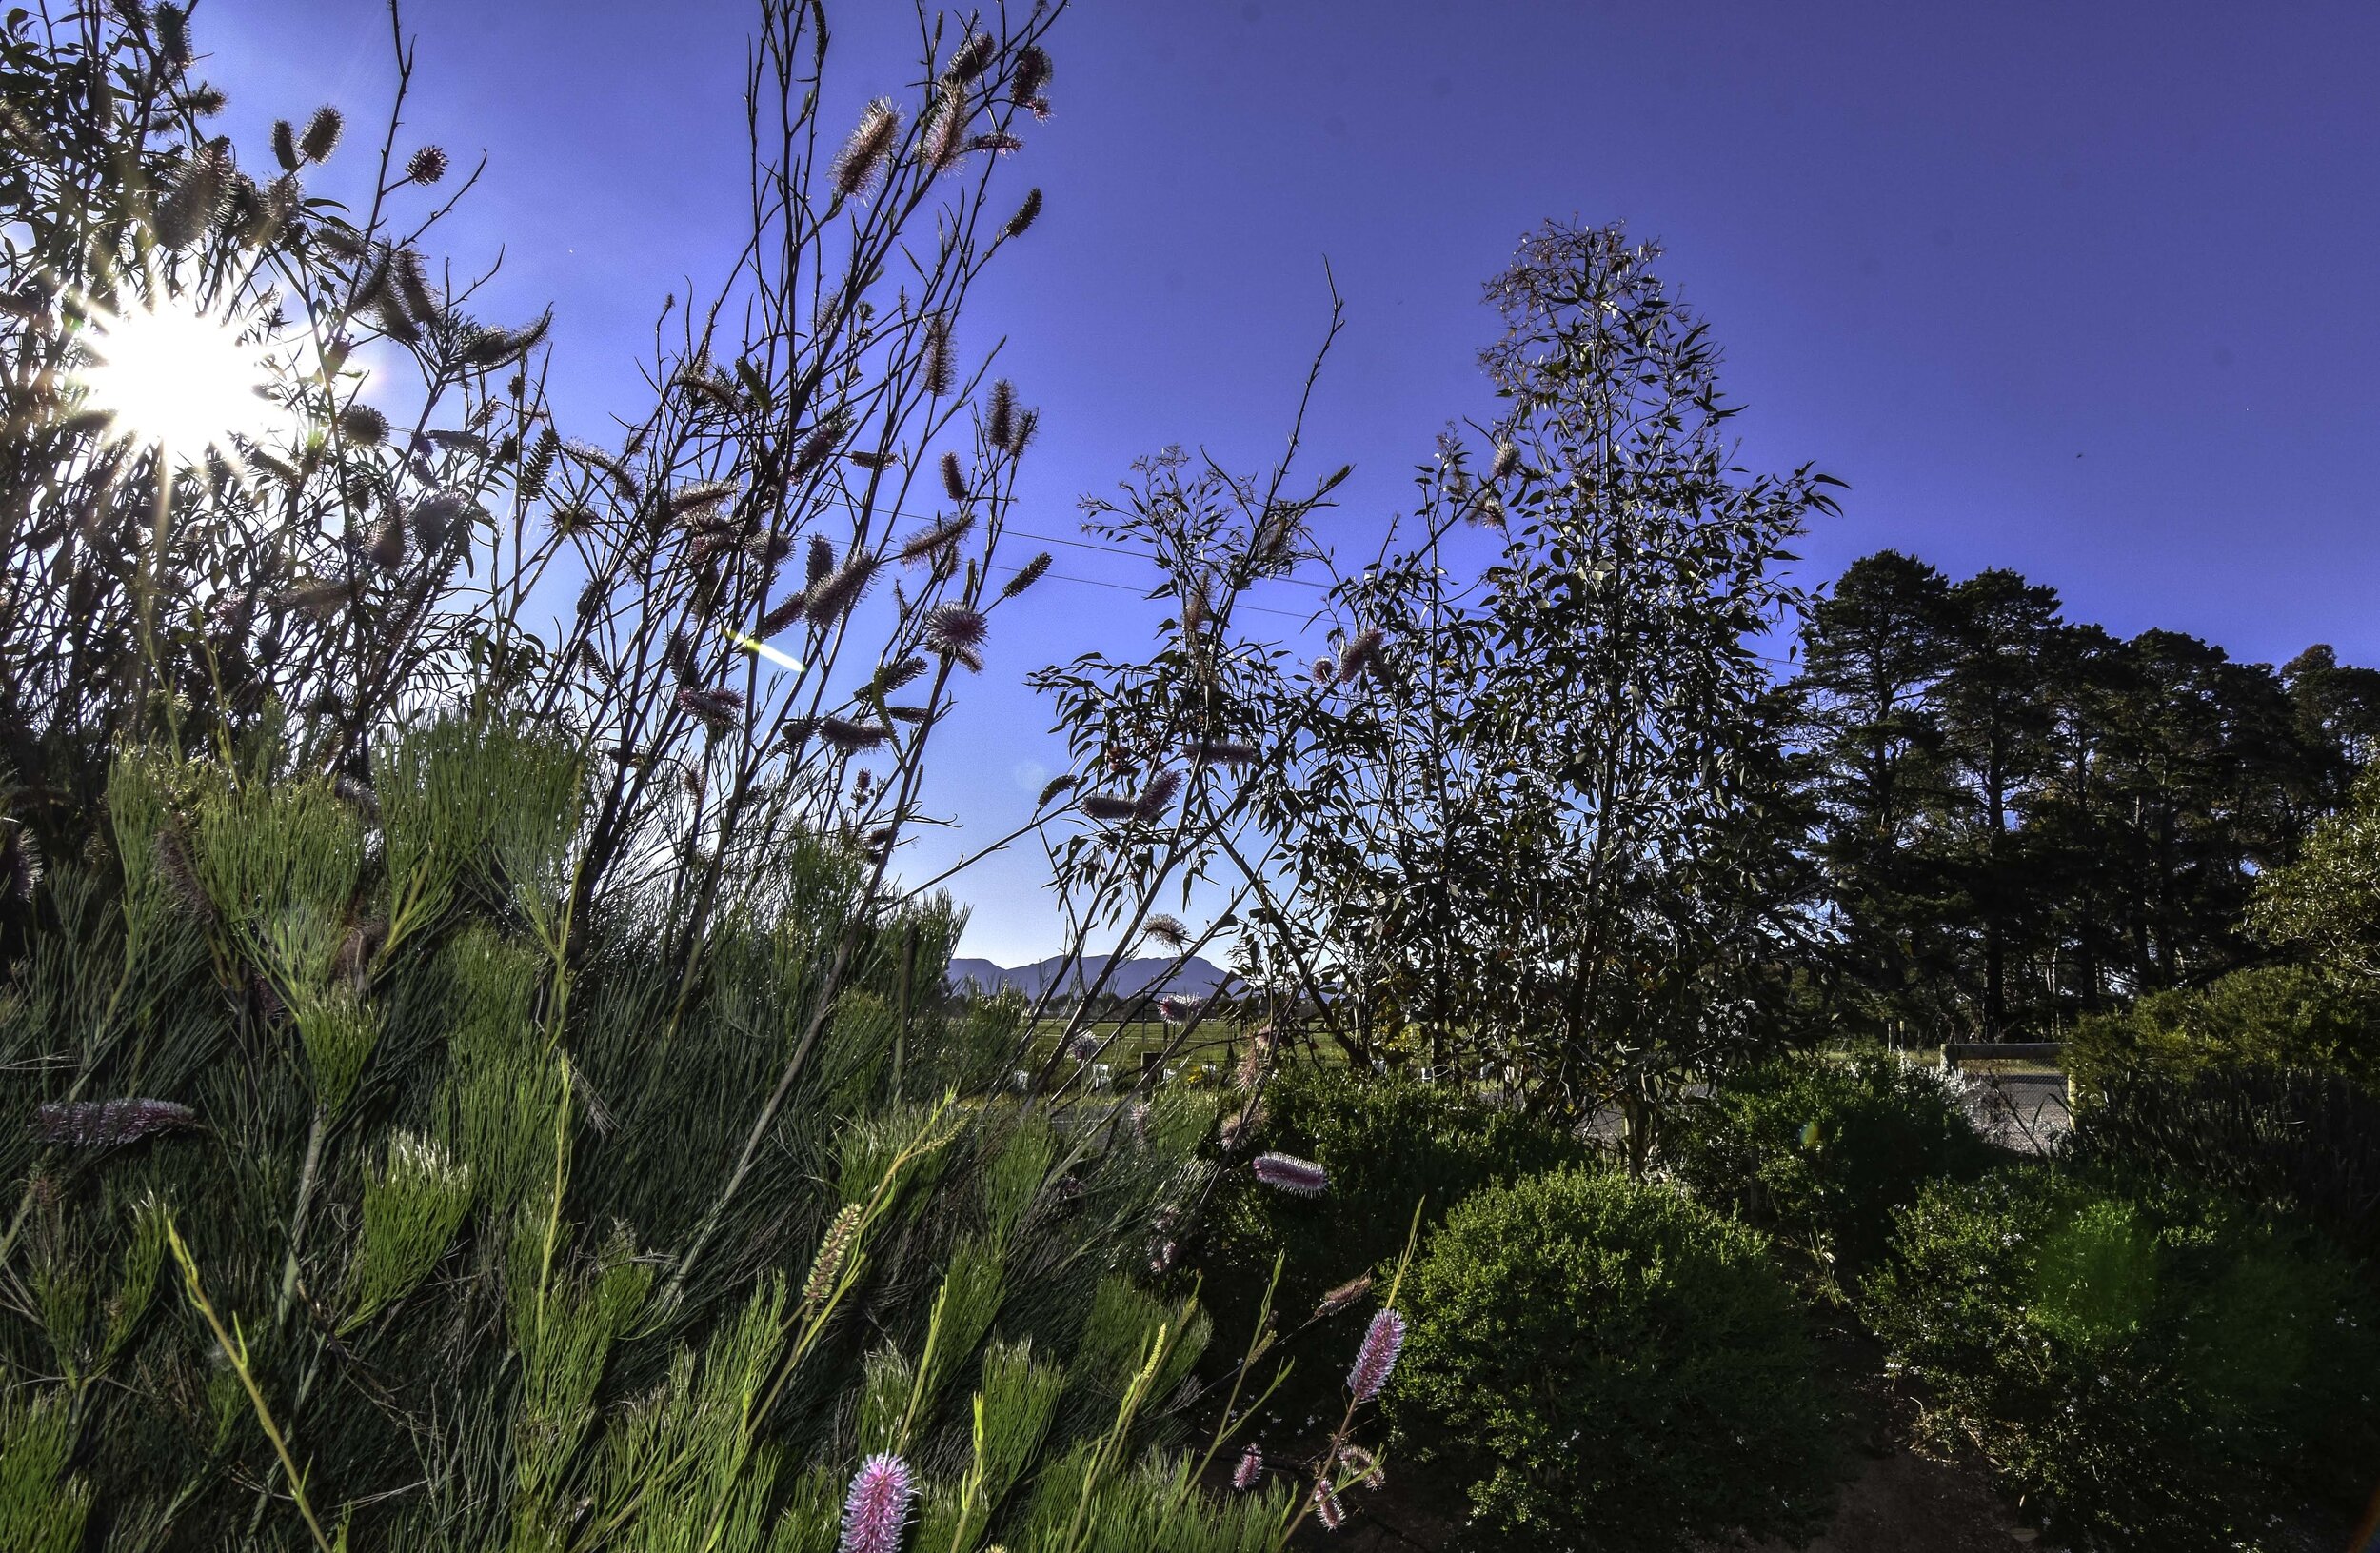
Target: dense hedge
(1607, 1364)
(2277, 1017)
(1822, 1152)
(2157, 1365)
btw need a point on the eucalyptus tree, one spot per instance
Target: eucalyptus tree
(1527, 828)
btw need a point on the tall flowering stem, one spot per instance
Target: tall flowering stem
(1343, 1465)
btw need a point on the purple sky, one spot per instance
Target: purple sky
(2091, 292)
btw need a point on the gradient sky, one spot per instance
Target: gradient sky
(2091, 291)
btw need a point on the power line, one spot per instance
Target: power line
(1127, 587)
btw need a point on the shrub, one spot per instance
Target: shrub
(2155, 1366)
(1386, 1145)
(332, 1161)
(2271, 1017)
(2304, 1143)
(1607, 1364)
(1823, 1152)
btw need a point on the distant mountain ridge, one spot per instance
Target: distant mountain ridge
(1197, 977)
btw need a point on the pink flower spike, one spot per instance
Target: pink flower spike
(1291, 1174)
(1250, 1468)
(878, 1509)
(1377, 1357)
(1327, 1508)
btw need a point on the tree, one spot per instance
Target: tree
(1874, 653)
(1996, 739)
(2022, 819)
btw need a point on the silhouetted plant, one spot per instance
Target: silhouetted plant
(484, 1083)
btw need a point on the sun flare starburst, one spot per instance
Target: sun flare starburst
(170, 374)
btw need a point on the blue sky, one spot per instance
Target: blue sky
(2091, 292)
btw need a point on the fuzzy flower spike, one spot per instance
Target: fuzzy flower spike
(878, 1509)
(1291, 1174)
(1377, 1358)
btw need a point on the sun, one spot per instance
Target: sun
(170, 374)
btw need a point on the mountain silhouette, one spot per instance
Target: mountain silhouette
(1197, 977)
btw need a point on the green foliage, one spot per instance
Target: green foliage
(1389, 1144)
(2325, 903)
(42, 1509)
(490, 1237)
(2152, 1365)
(2270, 1017)
(412, 1205)
(1823, 1151)
(1603, 1361)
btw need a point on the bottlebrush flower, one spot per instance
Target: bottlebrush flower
(1507, 460)
(1001, 422)
(363, 423)
(956, 633)
(946, 131)
(1178, 1010)
(877, 1510)
(968, 59)
(942, 372)
(1377, 1356)
(426, 165)
(1223, 752)
(833, 599)
(1109, 806)
(322, 135)
(1167, 930)
(1358, 655)
(1251, 1467)
(20, 865)
(1031, 572)
(863, 155)
(1364, 1465)
(1327, 1508)
(1030, 75)
(851, 738)
(715, 709)
(1344, 1295)
(928, 543)
(1291, 1174)
(104, 1124)
(1325, 670)
(1024, 217)
(783, 614)
(1157, 796)
(832, 1247)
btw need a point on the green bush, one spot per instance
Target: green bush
(2154, 1365)
(2284, 1017)
(2303, 1143)
(1607, 1364)
(1822, 1152)
(1387, 1143)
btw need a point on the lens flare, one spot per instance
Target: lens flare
(172, 375)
